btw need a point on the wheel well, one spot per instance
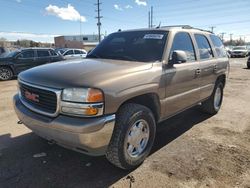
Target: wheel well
(222, 78)
(150, 100)
(8, 67)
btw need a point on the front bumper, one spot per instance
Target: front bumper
(241, 54)
(85, 135)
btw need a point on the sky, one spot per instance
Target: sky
(41, 20)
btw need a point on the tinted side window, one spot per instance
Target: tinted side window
(43, 53)
(219, 47)
(70, 52)
(182, 41)
(52, 53)
(204, 47)
(78, 52)
(27, 54)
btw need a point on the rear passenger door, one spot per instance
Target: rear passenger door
(79, 54)
(207, 65)
(43, 57)
(182, 80)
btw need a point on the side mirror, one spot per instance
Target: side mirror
(178, 57)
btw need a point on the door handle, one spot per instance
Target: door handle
(197, 71)
(215, 68)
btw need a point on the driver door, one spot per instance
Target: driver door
(25, 60)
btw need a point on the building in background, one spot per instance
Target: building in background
(86, 42)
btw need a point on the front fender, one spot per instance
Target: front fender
(113, 102)
(10, 65)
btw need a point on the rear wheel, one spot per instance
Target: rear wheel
(133, 136)
(5, 73)
(213, 103)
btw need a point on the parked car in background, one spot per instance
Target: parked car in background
(74, 53)
(60, 51)
(239, 51)
(248, 62)
(11, 64)
(2, 50)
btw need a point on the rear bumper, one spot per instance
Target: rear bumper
(85, 135)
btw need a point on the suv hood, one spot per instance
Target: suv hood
(79, 73)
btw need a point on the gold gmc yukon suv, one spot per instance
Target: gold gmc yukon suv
(111, 102)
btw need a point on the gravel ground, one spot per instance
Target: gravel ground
(191, 149)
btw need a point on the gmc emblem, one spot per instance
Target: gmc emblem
(31, 96)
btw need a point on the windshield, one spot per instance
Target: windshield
(144, 46)
(239, 48)
(10, 54)
(61, 50)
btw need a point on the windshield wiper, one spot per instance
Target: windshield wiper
(122, 57)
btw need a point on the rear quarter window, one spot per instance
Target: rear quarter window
(218, 45)
(43, 53)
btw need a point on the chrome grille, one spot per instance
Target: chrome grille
(39, 99)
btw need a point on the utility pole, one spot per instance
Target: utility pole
(98, 19)
(151, 16)
(80, 28)
(222, 36)
(149, 20)
(231, 38)
(212, 28)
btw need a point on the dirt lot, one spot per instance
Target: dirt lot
(191, 149)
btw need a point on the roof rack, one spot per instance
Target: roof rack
(181, 26)
(185, 27)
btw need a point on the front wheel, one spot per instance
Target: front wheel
(133, 136)
(213, 103)
(5, 73)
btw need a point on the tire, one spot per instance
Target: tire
(120, 151)
(5, 73)
(213, 103)
(248, 65)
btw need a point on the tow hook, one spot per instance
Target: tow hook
(19, 122)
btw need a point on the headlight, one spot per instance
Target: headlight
(82, 102)
(88, 95)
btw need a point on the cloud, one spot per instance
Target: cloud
(117, 7)
(29, 36)
(18, 1)
(141, 2)
(128, 6)
(65, 13)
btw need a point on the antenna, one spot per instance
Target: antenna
(158, 26)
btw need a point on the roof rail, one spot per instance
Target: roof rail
(181, 26)
(186, 27)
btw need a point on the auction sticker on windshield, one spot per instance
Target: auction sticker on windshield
(153, 36)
